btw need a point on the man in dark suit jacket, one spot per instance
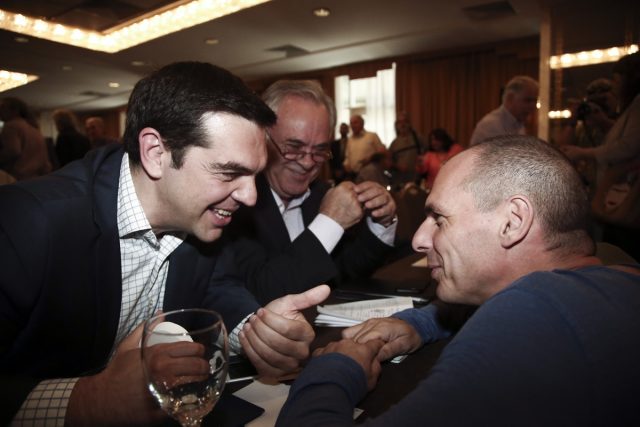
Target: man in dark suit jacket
(302, 233)
(71, 298)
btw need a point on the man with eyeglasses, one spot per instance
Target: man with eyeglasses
(301, 232)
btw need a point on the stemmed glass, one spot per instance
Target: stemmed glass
(185, 357)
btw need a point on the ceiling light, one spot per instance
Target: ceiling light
(66, 68)
(138, 63)
(597, 56)
(10, 79)
(114, 84)
(211, 41)
(20, 39)
(129, 34)
(321, 12)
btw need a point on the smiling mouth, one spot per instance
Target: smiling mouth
(222, 212)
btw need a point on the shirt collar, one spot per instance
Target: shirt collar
(293, 204)
(131, 217)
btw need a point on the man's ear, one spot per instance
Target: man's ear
(151, 152)
(517, 222)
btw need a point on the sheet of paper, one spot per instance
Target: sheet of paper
(422, 262)
(271, 397)
(352, 313)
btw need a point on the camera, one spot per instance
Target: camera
(583, 110)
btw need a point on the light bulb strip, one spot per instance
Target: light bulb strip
(597, 56)
(130, 34)
(11, 79)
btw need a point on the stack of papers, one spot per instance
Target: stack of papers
(352, 313)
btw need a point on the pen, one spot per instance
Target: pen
(344, 294)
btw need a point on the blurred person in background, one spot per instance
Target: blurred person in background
(591, 120)
(94, 126)
(361, 145)
(518, 103)
(23, 151)
(405, 149)
(70, 144)
(441, 148)
(616, 202)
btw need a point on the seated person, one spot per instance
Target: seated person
(94, 249)
(554, 340)
(301, 232)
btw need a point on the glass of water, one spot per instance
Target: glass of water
(185, 357)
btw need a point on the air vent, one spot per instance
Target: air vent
(94, 94)
(289, 50)
(488, 11)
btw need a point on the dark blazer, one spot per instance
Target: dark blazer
(60, 280)
(273, 266)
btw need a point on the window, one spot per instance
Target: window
(374, 98)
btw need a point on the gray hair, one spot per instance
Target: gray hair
(305, 89)
(515, 164)
(517, 84)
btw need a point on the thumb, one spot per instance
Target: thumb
(313, 296)
(133, 340)
(296, 302)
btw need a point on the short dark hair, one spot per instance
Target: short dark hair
(174, 99)
(442, 135)
(516, 164)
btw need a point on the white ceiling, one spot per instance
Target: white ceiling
(357, 30)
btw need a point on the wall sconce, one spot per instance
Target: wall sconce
(597, 56)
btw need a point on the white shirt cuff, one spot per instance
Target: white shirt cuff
(234, 340)
(386, 235)
(327, 231)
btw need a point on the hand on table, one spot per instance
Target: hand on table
(377, 201)
(118, 395)
(363, 353)
(398, 336)
(342, 205)
(276, 340)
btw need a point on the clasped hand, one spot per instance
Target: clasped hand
(348, 203)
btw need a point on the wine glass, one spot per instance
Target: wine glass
(185, 357)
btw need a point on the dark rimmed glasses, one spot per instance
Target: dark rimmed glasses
(291, 150)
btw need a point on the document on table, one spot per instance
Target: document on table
(270, 397)
(352, 313)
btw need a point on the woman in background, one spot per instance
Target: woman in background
(441, 148)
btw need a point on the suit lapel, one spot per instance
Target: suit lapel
(105, 173)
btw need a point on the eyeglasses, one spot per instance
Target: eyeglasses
(294, 151)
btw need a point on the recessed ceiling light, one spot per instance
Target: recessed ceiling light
(114, 84)
(321, 12)
(138, 63)
(66, 68)
(21, 39)
(211, 41)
